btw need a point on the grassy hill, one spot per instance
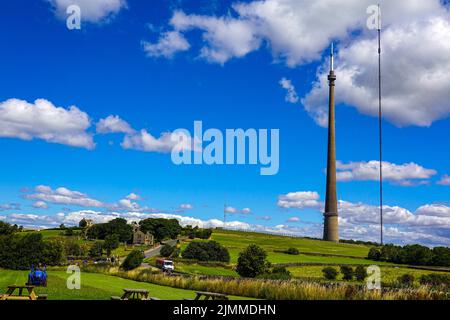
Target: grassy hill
(313, 251)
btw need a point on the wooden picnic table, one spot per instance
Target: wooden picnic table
(134, 294)
(25, 293)
(210, 295)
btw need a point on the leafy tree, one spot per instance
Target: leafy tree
(62, 226)
(6, 228)
(111, 243)
(417, 254)
(347, 272)
(374, 254)
(133, 260)
(83, 223)
(117, 226)
(360, 273)
(441, 256)
(167, 250)
(252, 262)
(161, 228)
(96, 250)
(73, 248)
(329, 273)
(206, 251)
(20, 252)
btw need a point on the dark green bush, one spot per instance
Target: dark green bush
(277, 273)
(206, 251)
(293, 251)
(360, 273)
(347, 272)
(133, 260)
(406, 280)
(329, 273)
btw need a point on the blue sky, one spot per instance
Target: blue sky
(226, 80)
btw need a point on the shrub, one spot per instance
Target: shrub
(167, 250)
(111, 243)
(360, 273)
(329, 273)
(435, 279)
(73, 248)
(293, 251)
(7, 229)
(96, 250)
(252, 262)
(347, 272)
(406, 280)
(277, 273)
(206, 251)
(68, 232)
(133, 260)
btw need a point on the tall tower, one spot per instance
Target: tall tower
(330, 227)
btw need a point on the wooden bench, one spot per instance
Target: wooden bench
(24, 293)
(209, 295)
(134, 294)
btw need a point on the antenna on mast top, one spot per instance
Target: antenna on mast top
(332, 57)
(380, 124)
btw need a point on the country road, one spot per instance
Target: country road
(156, 251)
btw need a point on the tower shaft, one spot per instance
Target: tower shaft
(331, 227)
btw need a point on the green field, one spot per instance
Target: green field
(94, 286)
(236, 241)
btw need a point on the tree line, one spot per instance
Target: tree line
(411, 254)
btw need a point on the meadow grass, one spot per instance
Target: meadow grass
(389, 274)
(278, 289)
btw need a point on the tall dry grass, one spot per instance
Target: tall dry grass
(275, 289)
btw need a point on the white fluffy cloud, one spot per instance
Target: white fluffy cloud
(416, 71)
(232, 210)
(113, 124)
(186, 206)
(144, 141)
(43, 120)
(168, 44)
(291, 94)
(296, 31)
(91, 10)
(299, 200)
(63, 196)
(406, 174)
(416, 42)
(134, 196)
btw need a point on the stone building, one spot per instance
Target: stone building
(141, 238)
